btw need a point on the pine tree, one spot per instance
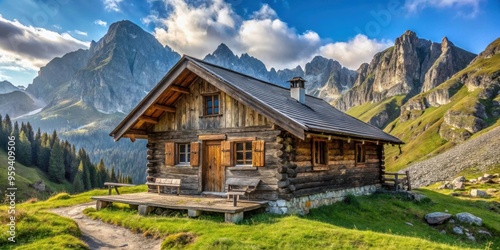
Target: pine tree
(23, 149)
(35, 147)
(56, 164)
(7, 129)
(78, 182)
(53, 138)
(113, 175)
(43, 153)
(102, 174)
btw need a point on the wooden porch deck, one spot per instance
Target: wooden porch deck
(146, 202)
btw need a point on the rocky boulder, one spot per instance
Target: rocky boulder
(437, 218)
(39, 186)
(478, 193)
(469, 218)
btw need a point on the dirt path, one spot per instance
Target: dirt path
(100, 235)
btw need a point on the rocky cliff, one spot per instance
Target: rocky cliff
(451, 113)
(112, 76)
(411, 66)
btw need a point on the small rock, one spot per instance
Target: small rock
(484, 232)
(436, 218)
(458, 185)
(473, 180)
(491, 190)
(470, 237)
(458, 230)
(409, 224)
(487, 176)
(443, 231)
(459, 179)
(419, 197)
(478, 193)
(451, 221)
(496, 175)
(469, 218)
(446, 211)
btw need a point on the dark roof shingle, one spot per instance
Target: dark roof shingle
(315, 115)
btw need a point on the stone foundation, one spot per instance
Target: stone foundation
(301, 205)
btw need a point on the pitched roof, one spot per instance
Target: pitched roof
(273, 101)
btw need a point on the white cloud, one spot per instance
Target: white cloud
(112, 5)
(353, 53)
(466, 8)
(195, 30)
(57, 27)
(198, 30)
(81, 33)
(100, 23)
(28, 47)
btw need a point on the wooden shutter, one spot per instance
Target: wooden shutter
(170, 153)
(195, 154)
(226, 153)
(258, 153)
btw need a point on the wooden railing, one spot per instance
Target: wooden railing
(396, 181)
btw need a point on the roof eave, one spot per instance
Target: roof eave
(149, 99)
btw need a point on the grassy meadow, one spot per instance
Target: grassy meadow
(380, 221)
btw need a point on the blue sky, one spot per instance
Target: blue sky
(282, 33)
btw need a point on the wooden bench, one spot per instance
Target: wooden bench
(240, 186)
(115, 185)
(164, 182)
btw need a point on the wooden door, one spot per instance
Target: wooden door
(212, 171)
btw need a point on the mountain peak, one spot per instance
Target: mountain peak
(409, 33)
(445, 43)
(7, 87)
(222, 49)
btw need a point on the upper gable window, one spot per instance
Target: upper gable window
(211, 105)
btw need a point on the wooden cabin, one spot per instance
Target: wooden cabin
(205, 124)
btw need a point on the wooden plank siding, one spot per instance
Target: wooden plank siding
(189, 112)
(342, 170)
(236, 121)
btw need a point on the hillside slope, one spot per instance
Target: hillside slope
(479, 153)
(26, 176)
(449, 114)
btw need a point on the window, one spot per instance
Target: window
(183, 153)
(243, 153)
(320, 152)
(211, 105)
(360, 153)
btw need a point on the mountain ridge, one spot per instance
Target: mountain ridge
(119, 69)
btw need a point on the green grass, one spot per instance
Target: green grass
(26, 176)
(38, 228)
(367, 111)
(369, 222)
(372, 222)
(421, 135)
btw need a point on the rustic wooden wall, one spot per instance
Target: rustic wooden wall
(342, 170)
(189, 112)
(236, 121)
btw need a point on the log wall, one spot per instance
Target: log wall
(235, 121)
(341, 172)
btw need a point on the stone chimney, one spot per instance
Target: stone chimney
(297, 90)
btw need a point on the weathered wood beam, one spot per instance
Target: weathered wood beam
(148, 119)
(212, 137)
(179, 89)
(136, 132)
(163, 108)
